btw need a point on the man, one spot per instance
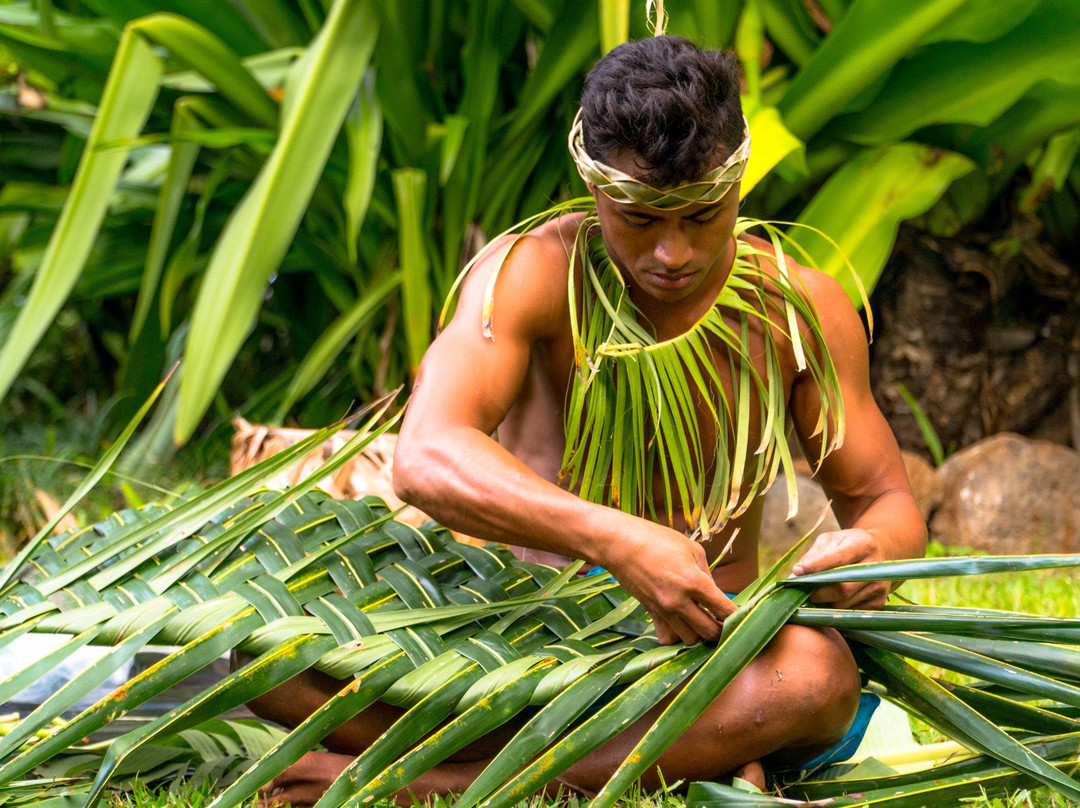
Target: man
(661, 142)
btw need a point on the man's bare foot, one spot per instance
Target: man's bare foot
(752, 773)
(305, 781)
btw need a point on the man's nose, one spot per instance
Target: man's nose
(673, 249)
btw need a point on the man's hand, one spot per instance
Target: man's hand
(839, 549)
(669, 575)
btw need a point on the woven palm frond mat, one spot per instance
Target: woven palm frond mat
(315, 578)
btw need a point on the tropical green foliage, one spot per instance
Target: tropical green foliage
(295, 183)
(466, 639)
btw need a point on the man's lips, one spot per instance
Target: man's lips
(669, 281)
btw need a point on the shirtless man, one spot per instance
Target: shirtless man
(800, 694)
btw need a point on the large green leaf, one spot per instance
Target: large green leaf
(962, 82)
(866, 43)
(416, 283)
(862, 205)
(125, 105)
(253, 244)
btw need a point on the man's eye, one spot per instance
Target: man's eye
(633, 222)
(705, 218)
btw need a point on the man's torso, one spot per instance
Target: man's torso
(533, 429)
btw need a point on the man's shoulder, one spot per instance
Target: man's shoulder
(549, 245)
(838, 322)
(820, 288)
(524, 277)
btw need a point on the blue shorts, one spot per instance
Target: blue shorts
(868, 703)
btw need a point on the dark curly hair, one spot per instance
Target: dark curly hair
(667, 102)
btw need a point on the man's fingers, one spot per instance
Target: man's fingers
(715, 601)
(702, 623)
(673, 629)
(688, 626)
(664, 633)
(686, 633)
(831, 594)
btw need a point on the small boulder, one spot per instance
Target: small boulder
(778, 533)
(1010, 495)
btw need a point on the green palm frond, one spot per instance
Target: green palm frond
(468, 639)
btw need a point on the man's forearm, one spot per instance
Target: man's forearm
(470, 483)
(896, 522)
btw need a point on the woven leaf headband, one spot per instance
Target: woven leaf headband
(622, 187)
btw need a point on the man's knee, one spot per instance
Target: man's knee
(825, 679)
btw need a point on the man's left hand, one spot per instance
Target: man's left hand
(838, 549)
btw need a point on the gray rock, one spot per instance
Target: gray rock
(1008, 494)
(778, 533)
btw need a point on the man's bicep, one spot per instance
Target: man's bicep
(868, 463)
(469, 380)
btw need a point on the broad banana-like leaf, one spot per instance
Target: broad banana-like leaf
(773, 142)
(320, 91)
(961, 82)
(862, 205)
(865, 44)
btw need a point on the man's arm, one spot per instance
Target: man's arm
(865, 478)
(448, 465)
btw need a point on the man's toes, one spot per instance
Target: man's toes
(753, 773)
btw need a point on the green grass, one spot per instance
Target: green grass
(181, 795)
(1055, 593)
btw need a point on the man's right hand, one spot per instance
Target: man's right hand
(669, 575)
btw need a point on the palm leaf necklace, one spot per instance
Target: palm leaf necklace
(635, 406)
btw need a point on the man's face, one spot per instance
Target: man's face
(669, 255)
